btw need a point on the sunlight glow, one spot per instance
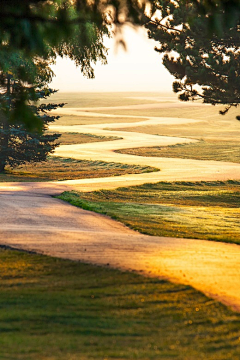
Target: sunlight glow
(139, 68)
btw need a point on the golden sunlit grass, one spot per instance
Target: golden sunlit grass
(53, 309)
(199, 131)
(71, 120)
(64, 310)
(85, 100)
(77, 138)
(180, 109)
(219, 150)
(211, 126)
(57, 168)
(204, 210)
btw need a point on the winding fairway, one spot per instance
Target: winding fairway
(33, 220)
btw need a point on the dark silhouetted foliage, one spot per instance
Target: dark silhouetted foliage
(18, 145)
(194, 57)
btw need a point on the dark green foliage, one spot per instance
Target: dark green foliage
(195, 56)
(19, 146)
(85, 50)
(35, 29)
(38, 31)
(32, 25)
(19, 110)
(220, 14)
(75, 28)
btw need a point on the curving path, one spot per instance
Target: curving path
(171, 169)
(32, 220)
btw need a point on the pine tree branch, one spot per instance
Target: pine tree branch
(158, 24)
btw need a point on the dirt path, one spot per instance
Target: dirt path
(32, 220)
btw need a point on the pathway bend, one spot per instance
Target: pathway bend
(172, 169)
(38, 222)
(32, 220)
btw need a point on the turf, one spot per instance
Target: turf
(211, 125)
(71, 120)
(218, 150)
(78, 138)
(87, 99)
(57, 168)
(196, 110)
(55, 309)
(201, 210)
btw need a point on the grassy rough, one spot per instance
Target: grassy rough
(218, 150)
(71, 120)
(64, 310)
(78, 138)
(92, 100)
(202, 210)
(58, 168)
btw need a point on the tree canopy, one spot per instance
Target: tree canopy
(75, 28)
(194, 57)
(219, 14)
(17, 144)
(36, 32)
(33, 25)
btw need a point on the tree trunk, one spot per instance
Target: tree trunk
(2, 167)
(4, 143)
(4, 137)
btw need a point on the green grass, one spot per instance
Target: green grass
(218, 150)
(53, 309)
(58, 168)
(202, 210)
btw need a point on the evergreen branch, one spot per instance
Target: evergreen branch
(158, 24)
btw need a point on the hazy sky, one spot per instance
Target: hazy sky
(137, 69)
